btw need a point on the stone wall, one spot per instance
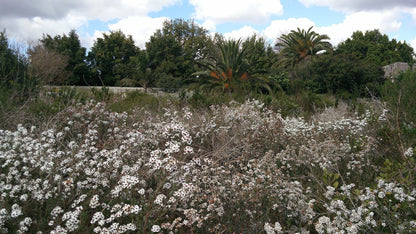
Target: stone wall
(394, 69)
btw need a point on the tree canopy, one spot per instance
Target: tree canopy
(70, 47)
(15, 84)
(236, 64)
(182, 55)
(174, 52)
(110, 57)
(374, 47)
(300, 45)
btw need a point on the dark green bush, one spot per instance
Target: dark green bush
(342, 75)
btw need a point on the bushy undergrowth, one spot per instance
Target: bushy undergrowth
(235, 168)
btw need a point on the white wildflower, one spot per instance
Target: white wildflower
(155, 228)
(16, 211)
(142, 191)
(94, 202)
(272, 229)
(409, 152)
(97, 217)
(159, 199)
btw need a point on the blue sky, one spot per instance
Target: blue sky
(28, 20)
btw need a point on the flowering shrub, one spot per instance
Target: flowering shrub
(230, 168)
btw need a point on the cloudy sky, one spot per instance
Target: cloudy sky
(28, 20)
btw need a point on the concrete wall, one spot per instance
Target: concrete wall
(394, 69)
(117, 90)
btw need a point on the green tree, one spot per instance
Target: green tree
(70, 46)
(10, 64)
(174, 52)
(110, 57)
(301, 45)
(261, 54)
(15, 84)
(261, 58)
(376, 48)
(344, 75)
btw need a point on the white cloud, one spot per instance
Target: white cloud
(279, 27)
(360, 5)
(243, 33)
(411, 12)
(109, 9)
(40, 8)
(28, 20)
(209, 25)
(363, 15)
(32, 29)
(249, 11)
(413, 44)
(385, 21)
(88, 41)
(141, 28)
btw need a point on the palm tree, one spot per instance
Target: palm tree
(300, 45)
(228, 65)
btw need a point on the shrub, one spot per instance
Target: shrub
(343, 75)
(101, 94)
(397, 129)
(239, 167)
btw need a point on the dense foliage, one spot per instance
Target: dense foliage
(301, 45)
(15, 83)
(236, 65)
(182, 56)
(70, 46)
(174, 52)
(343, 75)
(110, 57)
(376, 48)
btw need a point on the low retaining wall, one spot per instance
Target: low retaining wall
(394, 69)
(116, 90)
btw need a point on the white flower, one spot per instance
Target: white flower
(188, 150)
(23, 197)
(155, 228)
(94, 202)
(381, 194)
(330, 192)
(269, 229)
(167, 185)
(16, 211)
(96, 217)
(159, 199)
(409, 152)
(142, 191)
